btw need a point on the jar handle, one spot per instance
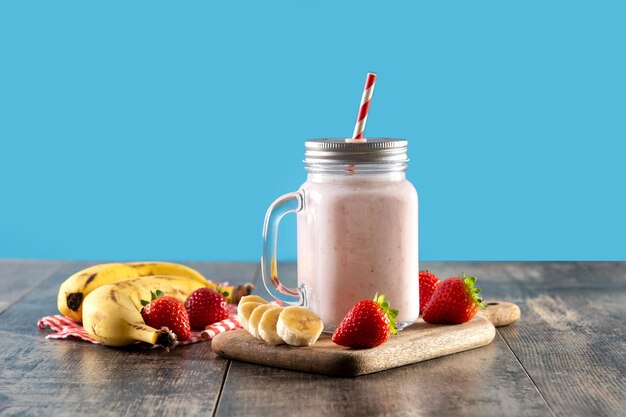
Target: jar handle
(285, 204)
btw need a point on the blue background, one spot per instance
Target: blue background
(136, 130)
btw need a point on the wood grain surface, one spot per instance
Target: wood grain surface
(565, 357)
(500, 313)
(418, 342)
(17, 278)
(73, 378)
(480, 382)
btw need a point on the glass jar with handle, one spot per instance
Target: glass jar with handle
(357, 230)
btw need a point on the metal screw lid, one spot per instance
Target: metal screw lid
(342, 151)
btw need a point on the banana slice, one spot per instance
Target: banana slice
(244, 311)
(267, 326)
(299, 326)
(255, 318)
(252, 299)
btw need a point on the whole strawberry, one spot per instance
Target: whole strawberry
(205, 307)
(164, 311)
(455, 301)
(368, 324)
(428, 284)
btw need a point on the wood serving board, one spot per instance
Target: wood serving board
(419, 342)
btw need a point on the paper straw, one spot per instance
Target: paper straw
(361, 119)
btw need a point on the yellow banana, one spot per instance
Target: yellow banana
(233, 294)
(166, 268)
(74, 290)
(112, 312)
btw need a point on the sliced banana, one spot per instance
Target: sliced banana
(299, 326)
(255, 317)
(243, 318)
(252, 299)
(244, 311)
(267, 326)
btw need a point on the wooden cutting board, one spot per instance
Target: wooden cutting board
(419, 342)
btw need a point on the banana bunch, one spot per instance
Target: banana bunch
(295, 326)
(76, 288)
(112, 312)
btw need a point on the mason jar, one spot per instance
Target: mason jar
(357, 230)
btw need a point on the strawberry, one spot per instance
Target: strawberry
(164, 311)
(205, 307)
(428, 284)
(455, 301)
(368, 324)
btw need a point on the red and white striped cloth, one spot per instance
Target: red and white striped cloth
(65, 328)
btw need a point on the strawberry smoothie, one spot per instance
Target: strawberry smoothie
(357, 230)
(357, 235)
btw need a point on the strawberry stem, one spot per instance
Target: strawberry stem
(391, 313)
(473, 291)
(220, 290)
(153, 296)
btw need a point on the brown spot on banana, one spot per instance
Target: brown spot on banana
(95, 332)
(74, 300)
(113, 297)
(91, 278)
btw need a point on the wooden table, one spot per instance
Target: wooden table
(566, 357)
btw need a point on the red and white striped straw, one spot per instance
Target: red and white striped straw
(361, 119)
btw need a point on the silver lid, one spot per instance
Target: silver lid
(369, 151)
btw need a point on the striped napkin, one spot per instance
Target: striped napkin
(64, 328)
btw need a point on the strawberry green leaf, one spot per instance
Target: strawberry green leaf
(391, 314)
(144, 303)
(218, 290)
(472, 290)
(152, 295)
(159, 293)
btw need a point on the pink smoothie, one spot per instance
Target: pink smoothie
(357, 236)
